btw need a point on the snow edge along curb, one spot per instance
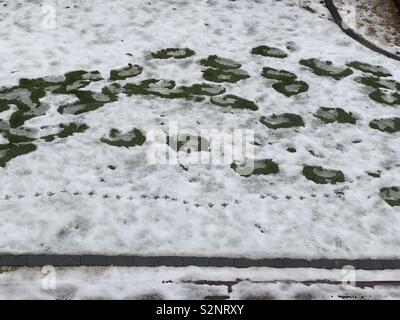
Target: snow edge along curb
(355, 36)
(29, 260)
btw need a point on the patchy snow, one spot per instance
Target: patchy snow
(194, 283)
(79, 195)
(376, 20)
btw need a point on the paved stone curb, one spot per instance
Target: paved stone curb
(352, 34)
(30, 260)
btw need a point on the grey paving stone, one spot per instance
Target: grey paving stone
(322, 264)
(121, 261)
(195, 261)
(14, 260)
(220, 262)
(40, 260)
(296, 263)
(99, 260)
(245, 263)
(370, 264)
(391, 264)
(94, 260)
(340, 263)
(271, 263)
(170, 261)
(145, 261)
(67, 260)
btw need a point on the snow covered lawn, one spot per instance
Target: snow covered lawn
(74, 172)
(194, 283)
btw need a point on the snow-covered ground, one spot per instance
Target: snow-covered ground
(195, 283)
(80, 195)
(376, 20)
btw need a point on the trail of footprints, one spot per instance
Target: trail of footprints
(25, 98)
(166, 197)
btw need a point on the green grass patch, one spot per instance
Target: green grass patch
(256, 167)
(283, 120)
(26, 101)
(377, 71)
(379, 83)
(87, 101)
(126, 72)
(280, 75)
(224, 75)
(232, 101)
(391, 195)
(321, 175)
(12, 151)
(20, 135)
(66, 131)
(384, 96)
(330, 115)
(176, 53)
(267, 51)
(217, 62)
(160, 88)
(204, 89)
(326, 68)
(390, 125)
(291, 88)
(374, 174)
(75, 80)
(129, 139)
